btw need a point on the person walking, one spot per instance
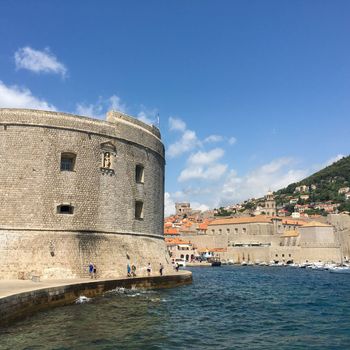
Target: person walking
(149, 269)
(91, 270)
(161, 268)
(128, 269)
(133, 270)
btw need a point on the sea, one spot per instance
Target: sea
(227, 307)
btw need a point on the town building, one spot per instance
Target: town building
(183, 209)
(264, 239)
(270, 204)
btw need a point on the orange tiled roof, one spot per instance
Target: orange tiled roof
(171, 231)
(175, 241)
(242, 220)
(203, 226)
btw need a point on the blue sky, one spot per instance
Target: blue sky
(252, 95)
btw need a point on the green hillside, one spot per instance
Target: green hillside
(322, 186)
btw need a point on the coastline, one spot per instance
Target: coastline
(19, 299)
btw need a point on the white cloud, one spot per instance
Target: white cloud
(232, 140)
(39, 61)
(199, 206)
(115, 103)
(101, 107)
(20, 97)
(176, 124)
(187, 142)
(169, 204)
(210, 173)
(213, 139)
(205, 158)
(271, 176)
(203, 166)
(148, 116)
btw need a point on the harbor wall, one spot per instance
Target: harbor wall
(18, 306)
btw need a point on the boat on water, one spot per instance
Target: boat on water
(215, 262)
(340, 269)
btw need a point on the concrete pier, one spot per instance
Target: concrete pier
(19, 299)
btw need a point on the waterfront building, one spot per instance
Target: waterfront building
(76, 190)
(264, 239)
(181, 249)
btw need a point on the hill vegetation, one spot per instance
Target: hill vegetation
(320, 187)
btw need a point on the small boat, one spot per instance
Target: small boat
(215, 262)
(340, 269)
(243, 263)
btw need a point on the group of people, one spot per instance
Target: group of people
(131, 270)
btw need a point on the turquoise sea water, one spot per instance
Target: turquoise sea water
(225, 308)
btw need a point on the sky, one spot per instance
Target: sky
(250, 95)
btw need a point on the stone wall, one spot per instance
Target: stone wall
(103, 226)
(341, 223)
(17, 306)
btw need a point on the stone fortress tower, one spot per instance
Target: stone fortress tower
(75, 190)
(270, 204)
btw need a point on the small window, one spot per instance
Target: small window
(139, 210)
(244, 230)
(236, 230)
(65, 209)
(276, 255)
(228, 230)
(67, 161)
(282, 255)
(139, 173)
(212, 231)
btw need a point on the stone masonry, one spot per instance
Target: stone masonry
(102, 190)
